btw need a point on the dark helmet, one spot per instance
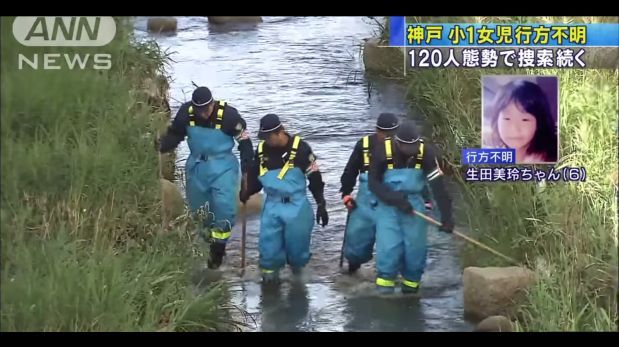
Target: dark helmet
(268, 124)
(387, 121)
(407, 133)
(201, 98)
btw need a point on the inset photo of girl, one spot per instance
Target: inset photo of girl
(522, 112)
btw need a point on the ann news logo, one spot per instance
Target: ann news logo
(64, 32)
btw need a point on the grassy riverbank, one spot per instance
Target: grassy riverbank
(82, 241)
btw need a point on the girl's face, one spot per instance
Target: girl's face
(516, 127)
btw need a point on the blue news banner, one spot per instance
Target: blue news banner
(404, 34)
(503, 156)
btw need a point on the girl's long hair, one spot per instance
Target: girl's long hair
(528, 97)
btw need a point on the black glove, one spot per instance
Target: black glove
(321, 214)
(244, 195)
(244, 166)
(447, 226)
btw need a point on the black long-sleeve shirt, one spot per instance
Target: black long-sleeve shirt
(355, 166)
(431, 170)
(276, 157)
(232, 124)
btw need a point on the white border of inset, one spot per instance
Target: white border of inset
(558, 121)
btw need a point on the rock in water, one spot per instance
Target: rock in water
(161, 24)
(155, 90)
(235, 19)
(173, 202)
(382, 60)
(494, 324)
(254, 206)
(494, 291)
(168, 165)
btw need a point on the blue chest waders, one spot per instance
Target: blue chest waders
(361, 226)
(401, 245)
(212, 178)
(287, 219)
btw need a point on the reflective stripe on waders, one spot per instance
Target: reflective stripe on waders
(388, 154)
(263, 169)
(411, 284)
(366, 152)
(385, 282)
(220, 234)
(293, 153)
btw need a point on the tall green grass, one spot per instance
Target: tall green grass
(82, 242)
(567, 232)
(62, 284)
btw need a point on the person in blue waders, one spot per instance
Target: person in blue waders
(361, 226)
(399, 171)
(281, 166)
(212, 169)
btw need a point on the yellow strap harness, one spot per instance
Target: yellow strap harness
(293, 153)
(287, 166)
(419, 156)
(366, 152)
(220, 114)
(218, 121)
(389, 154)
(263, 168)
(192, 121)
